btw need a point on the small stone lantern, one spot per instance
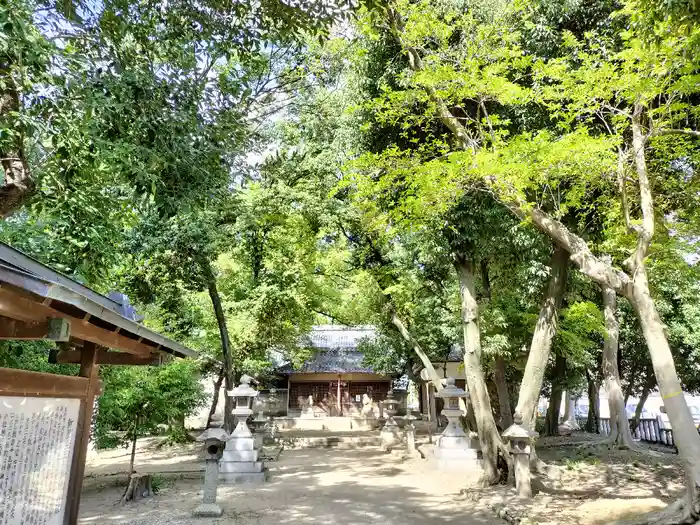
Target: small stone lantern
(259, 422)
(410, 430)
(521, 439)
(214, 440)
(390, 433)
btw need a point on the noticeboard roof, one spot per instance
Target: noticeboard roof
(31, 291)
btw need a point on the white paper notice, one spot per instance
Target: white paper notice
(36, 449)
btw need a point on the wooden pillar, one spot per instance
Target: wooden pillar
(289, 393)
(90, 370)
(337, 402)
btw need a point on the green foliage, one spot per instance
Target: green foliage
(32, 355)
(136, 400)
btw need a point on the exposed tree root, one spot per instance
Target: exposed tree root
(683, 511)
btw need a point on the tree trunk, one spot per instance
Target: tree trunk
(570, 411)
(489, 438)
(215, 399)
(567, 406)
(551, 424)
(499, 377)
(541, 345)
(401, 327)
(685, 435)
(553, 410)
(134, 438)
(619, 424)
(646, 390)
(18, 183)
(229, 422)
(593, 421)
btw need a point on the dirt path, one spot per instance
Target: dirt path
(343, 487)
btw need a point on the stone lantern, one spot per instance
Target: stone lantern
(454, 450)
(243, 395)
(390, 433)
(214, 440)
(239, 463)
(259, 422)
(410, 430)
(520, 439)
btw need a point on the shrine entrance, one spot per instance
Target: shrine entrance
(339, 397)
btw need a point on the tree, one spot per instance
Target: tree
(137, 400)
(515, 168)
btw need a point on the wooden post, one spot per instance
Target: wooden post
(337, 401)
(90, 370)
(289, 392)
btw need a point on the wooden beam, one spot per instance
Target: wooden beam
(107, 358)
(23, 383)
(52, 329)
(89, 369)
(14, 306)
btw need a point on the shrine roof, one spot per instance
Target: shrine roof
(337, 350)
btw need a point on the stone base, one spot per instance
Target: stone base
(237, 456)
(455, 453)
(208, 510)
(234, 467)
(391, 437)
(456, 442)
(460, 465)
(244, 478)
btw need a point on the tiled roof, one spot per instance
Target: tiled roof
(336, 350)
(333, 336)
(331, 361)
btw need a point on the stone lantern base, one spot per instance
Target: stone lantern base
(208, 510)
(391, 436)
(239, 463)
(455, 450)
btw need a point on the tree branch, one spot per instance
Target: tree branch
(463, 137)
(621, 182)
(689, 132)
(646, 232)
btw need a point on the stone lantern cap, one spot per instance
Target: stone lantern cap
(390, 399)
(451, 390)
(244, 389)
(517, 432)
(213, 434)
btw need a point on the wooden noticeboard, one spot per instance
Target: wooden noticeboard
(44, 432)
(36, 453)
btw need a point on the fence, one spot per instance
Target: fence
(648, 431)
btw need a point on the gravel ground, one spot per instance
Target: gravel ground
(366, 486)
(343, 487)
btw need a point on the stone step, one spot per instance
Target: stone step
(340, 442)
(237, 467)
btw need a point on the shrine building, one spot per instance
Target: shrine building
(334, 377)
